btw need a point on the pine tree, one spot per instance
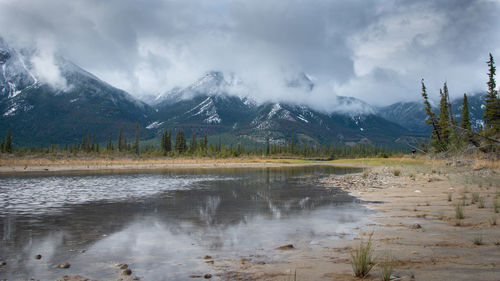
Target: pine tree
(444, 121)
(491, 114)
(109, 146)
(136, 145)
(163, 142)
(432, 119)
(193, 144)
(267, 146)
(168, 142)
(180, 142)
(465, 121)
(8, 142)
(120, 140)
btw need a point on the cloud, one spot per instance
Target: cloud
(45, 66)
(374, 50)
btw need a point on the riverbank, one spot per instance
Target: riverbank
(29, 165)
(415, 227)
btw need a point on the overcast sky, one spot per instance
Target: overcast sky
(374, 50)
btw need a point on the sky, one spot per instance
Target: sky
(375, 50)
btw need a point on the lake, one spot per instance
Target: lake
(163, 223)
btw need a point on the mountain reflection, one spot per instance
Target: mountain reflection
(191, 213)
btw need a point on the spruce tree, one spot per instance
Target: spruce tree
(120, 140)
(432, 119)
(8, 142)
(491, 114)
(180, 142)
(465, 121)
(163, 142)
(168, 142)
(193, 144)
(444, 125)
(136, 145)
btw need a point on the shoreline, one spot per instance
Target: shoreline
(35, 166)
(414, 227)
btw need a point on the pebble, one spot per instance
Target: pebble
(208, 276)
(38, 257)
(3, 263)
(207, 257)
(286, 247)
(415, 226)
(64, 265)
(127, 272)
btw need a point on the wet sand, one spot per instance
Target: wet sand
(415, 227)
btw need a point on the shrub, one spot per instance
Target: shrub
(396, 172)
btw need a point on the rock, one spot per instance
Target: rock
(38, 257)
(209, 262)
(194, 276)
(123, 266)
(127, 272)
(208, 276)
(286, 247)
(207, 257)
(2, 263)
(74, 278)
(261, 262)
(83, 251)
(64, 265)
(415, 226)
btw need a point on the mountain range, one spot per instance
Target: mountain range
(217, 104)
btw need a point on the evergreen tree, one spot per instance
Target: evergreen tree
(491, 114)
(8, 142)
(168, 142)
(136, 145)
(193, 144)
(432, 119)
(444, 121)
(180, 142)
(109, 146)
(204, 143)
(465, 121)
(120, 140)
(267, 147)
(163, 143)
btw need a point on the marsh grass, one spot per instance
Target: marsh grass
(459, 211)
(475, 197)
(396, 172)
(386, 269)
(493, 220)
(478, 239)
(362, 258)
(481, 203)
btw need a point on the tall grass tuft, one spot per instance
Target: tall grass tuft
(459, 212)
(386, 270)
(475, 197)
(496, 205)
(362, 259)
(481, 204)
(450, 197)
(478, 240)
(493, 220)
(396, 172)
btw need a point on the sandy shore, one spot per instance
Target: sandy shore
(18, 166)
(415, 228)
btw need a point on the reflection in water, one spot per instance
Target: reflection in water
(164, 223)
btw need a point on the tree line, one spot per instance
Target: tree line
(450, 136)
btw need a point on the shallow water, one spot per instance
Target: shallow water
(164, 223)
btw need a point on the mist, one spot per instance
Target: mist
(377, 51)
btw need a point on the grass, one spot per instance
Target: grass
(475, 197)
(478, 240)
(386, 270)
(396, 172)
(450, 197)
(481, 204)
(493, 220)
(496, 205)
(459, 212)
(362, 259)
